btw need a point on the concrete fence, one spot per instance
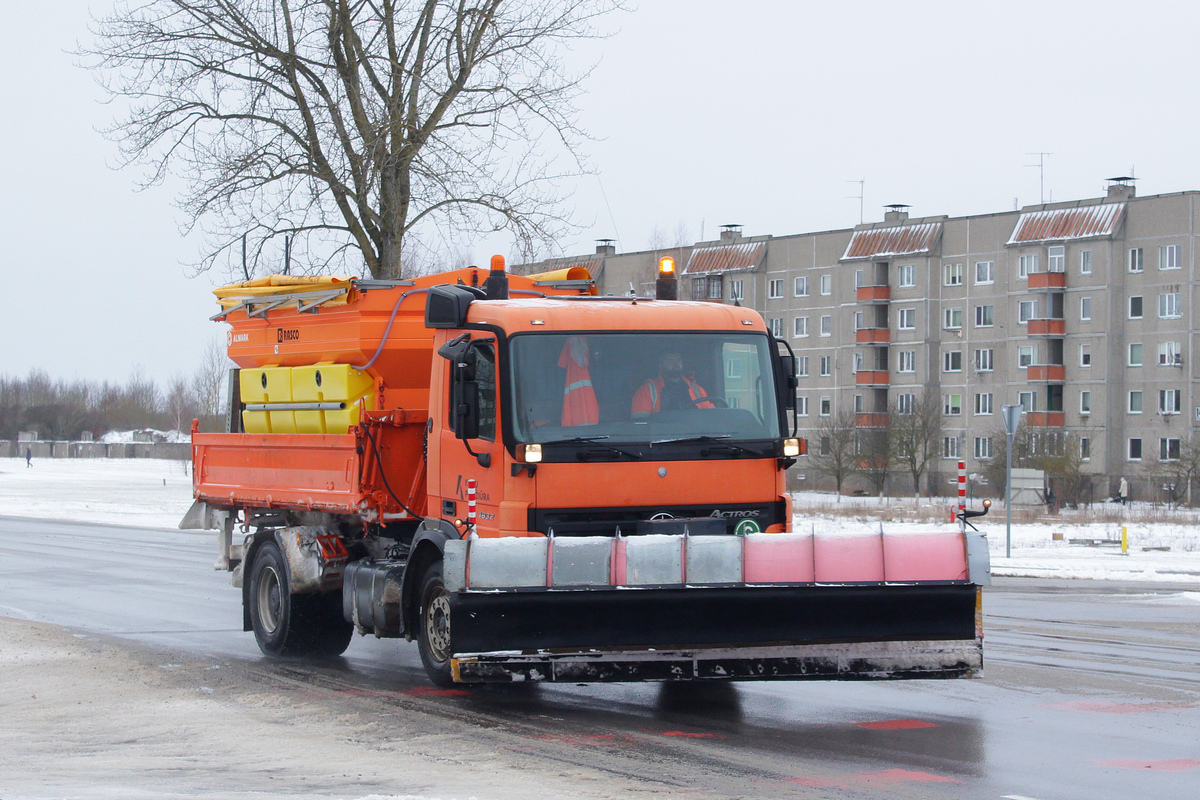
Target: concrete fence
(179, 451)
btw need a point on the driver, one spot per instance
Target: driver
(669, 390)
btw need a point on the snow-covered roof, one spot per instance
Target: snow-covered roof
(1059, 224)
(899, 240)
(719, 258)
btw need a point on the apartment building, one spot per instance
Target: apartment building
(1079, 311)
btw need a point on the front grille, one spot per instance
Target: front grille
(633, 520)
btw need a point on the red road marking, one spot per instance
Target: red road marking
(1178, 765)
(687, 735)
(429, 691)
(1120, 708)
(878, 778)
(620, 739)
(897, 724)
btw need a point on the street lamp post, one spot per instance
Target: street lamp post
(1012, 418)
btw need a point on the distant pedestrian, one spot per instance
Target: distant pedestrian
(1123, 492)
(28, 457)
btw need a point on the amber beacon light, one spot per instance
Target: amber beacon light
(666, 287)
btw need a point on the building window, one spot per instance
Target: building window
(826, 407)
(777, 327)
(699, 288)
(1135, 450)
(983, 448)
(907, 275)
(1085, 403)
(1085, 309)
(827, 284)
(716, 287)
(1026, 310)
(953, 319)
(1169, 401)
(984, 316)
(906, 404)
(1135, 402)
(983, 403)
(985, 272)
(952, 361)
(800, 287)
(1026, 353)
(1057, 261)
(826, 325)
(1168, 449)
(949, 447)
(858, 278)
(802, 406)
(826, 366)
(1170, 354)
(907, 361)
(1085, 262)
(952, 405)
(775, 289)
(800, 326)
(1085, 448)
(1135, 308)
(802, 366)
(1168, 305)
(1085, 355)
(1135, 355)
(856, 364)
(954, 274)
(1136, 262)
(1026, 264)
(1168, 256)
(1027, 401)
(858, 321)
(825, 448)
(737, 290)
(983, 360)
(908, 319)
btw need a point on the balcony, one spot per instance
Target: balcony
(870, 420)
(1047, 373)
(1047, 327)
(871, 378)
(1047, 280)
(874, 295)
(1045, 419)
(874, 336)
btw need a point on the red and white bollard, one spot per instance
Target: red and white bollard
(962, 496)
(470, 505)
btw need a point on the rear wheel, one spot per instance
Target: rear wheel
(433, 637)
(287, 624)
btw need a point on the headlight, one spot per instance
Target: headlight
(792, 448)
(529, 453)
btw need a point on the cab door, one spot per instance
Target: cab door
(472, 384)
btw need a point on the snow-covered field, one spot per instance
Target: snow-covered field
(155, 493)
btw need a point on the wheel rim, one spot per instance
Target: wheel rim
(437, 624)
(270, 599)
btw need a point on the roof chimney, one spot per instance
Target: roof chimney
(1120, 188)
(730, 233)
(896, 212)
(605, 247)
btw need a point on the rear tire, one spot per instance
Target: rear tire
(287, 624)
(433, 634)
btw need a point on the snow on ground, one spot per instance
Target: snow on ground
(155, 493)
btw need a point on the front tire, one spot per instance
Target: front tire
(287, 624)
(433, 635)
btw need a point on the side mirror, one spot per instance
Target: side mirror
(789, 383)
(466, 407)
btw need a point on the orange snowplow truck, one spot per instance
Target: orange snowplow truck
(539, 483)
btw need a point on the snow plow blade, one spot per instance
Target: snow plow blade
(745, 633)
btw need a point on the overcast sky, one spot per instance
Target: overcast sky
(759, 112)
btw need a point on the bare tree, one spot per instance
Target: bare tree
(208, 382)
(875, 456)
(836, 446)
(347, 126)
(1177, 463)
(179, 402)
(916, 432)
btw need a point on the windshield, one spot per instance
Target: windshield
(642, 387)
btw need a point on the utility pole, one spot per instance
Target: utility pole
(1041, 168)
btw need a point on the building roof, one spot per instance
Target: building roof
(1086, 222)
(899, 240)
(718, 258)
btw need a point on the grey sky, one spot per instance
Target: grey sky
(757, 112)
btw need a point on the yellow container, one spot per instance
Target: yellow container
(267, 385)
(331, 383)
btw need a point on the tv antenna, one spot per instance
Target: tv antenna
(1041, 168)
(861, 191)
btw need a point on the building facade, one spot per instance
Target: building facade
(1081, 312)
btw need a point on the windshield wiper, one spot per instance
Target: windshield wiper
(719, 438)
(596, 440)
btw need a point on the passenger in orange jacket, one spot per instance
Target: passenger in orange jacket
(669, 390)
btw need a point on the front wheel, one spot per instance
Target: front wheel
(433, 636)
(287, 624)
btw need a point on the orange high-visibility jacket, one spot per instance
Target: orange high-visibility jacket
(648, 398)
(579, 398)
